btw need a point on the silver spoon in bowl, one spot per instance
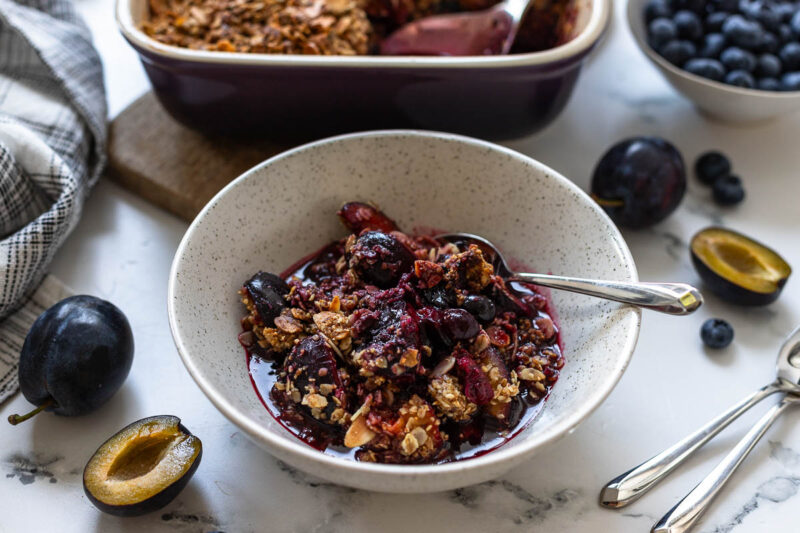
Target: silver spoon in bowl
(669, 298)
(487, 32)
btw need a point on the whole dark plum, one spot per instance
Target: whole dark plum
(639, 181)
(76, 356)
(379, 258)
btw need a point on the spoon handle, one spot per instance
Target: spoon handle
(628, 487)
(670, 298)
(683, 516)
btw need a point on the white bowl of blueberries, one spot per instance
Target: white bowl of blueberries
(737, 60)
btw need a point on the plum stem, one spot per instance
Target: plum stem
(16, 419)
(605, 202)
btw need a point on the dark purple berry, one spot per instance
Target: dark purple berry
(790, 81)
(678, 52)
(459, 324)
(742, 32)
(705, 67)
(768, 84)
(735, 58)
(712, 46)
(661, 31)
(688, 24)
(790, 56)
(480, 306)
(768, 66)
(716, 333)
(657, 9)
(710, 166)
(728, 190)
(740, 78)
(714, 21)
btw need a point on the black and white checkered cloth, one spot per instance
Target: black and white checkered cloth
(52, 150)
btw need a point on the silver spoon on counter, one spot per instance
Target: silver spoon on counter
(629, 486)
(487, 32)
(670, 298)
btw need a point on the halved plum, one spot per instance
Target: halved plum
(267, 292)
(358, 216)
(379, 258)
(142, 467)
(738, 268)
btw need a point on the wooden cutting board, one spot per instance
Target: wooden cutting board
(172, 166)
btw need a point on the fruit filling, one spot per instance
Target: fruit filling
(391, 348)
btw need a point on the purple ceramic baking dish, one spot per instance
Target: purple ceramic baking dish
(271, 95)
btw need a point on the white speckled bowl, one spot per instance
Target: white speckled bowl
(284, 209)
(717, 100)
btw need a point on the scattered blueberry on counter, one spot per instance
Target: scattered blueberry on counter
(745, 43)
(714, 169)
(716, 333)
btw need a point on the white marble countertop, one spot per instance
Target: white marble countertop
(122, 251)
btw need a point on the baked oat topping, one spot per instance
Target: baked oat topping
(383, 355)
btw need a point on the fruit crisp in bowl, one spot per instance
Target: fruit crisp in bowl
(384, 347)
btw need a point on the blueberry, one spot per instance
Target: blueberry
(710, 166)
(742, 32)
(661, 31)
(740, 78)
(657, 9)
(785, 34)
(678, 52)
(790, 55)
(794, 24)
(737, 59)
(688, 24)
(770, 43)
(727, 6)
(716, 333)
(715, 20)
(787, 10)
(768, 84)
(698, 6)
(728, 190)
(763, 12)
(705, 67)
(791, 81)
(768, 66)
(713, 44)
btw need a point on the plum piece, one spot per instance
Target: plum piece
(358, 216)
(311, 379)
(506, 300)
(379, 258)
(448, 325)
(477, 387)
(387, 335)
(480, 306)
(503, 384)
(76, 356)
(267, 293)
(142, 467)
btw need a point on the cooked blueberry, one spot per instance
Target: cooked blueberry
(737, 59)
(794, 24)
(705, 67)
(661, 31)
(768, 66)
(678, 52)
(740, 78)
(728, 190)
(459, 324)
(639, 181)
(742, 32)
(768, 84)
(790, 56)
(480, 306)
(75, 357)
(267, 292)
(715, 20)
(716, 333)
(710, 166)
(688, 25)
(712, 45)
(791, 81)
(656, 9)
(379, 258)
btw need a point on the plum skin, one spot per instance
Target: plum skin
(77, 353)
(639, 181)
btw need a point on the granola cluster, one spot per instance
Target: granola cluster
(405, 349)
(323, 27)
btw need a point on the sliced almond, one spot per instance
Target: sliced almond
(358, 433)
